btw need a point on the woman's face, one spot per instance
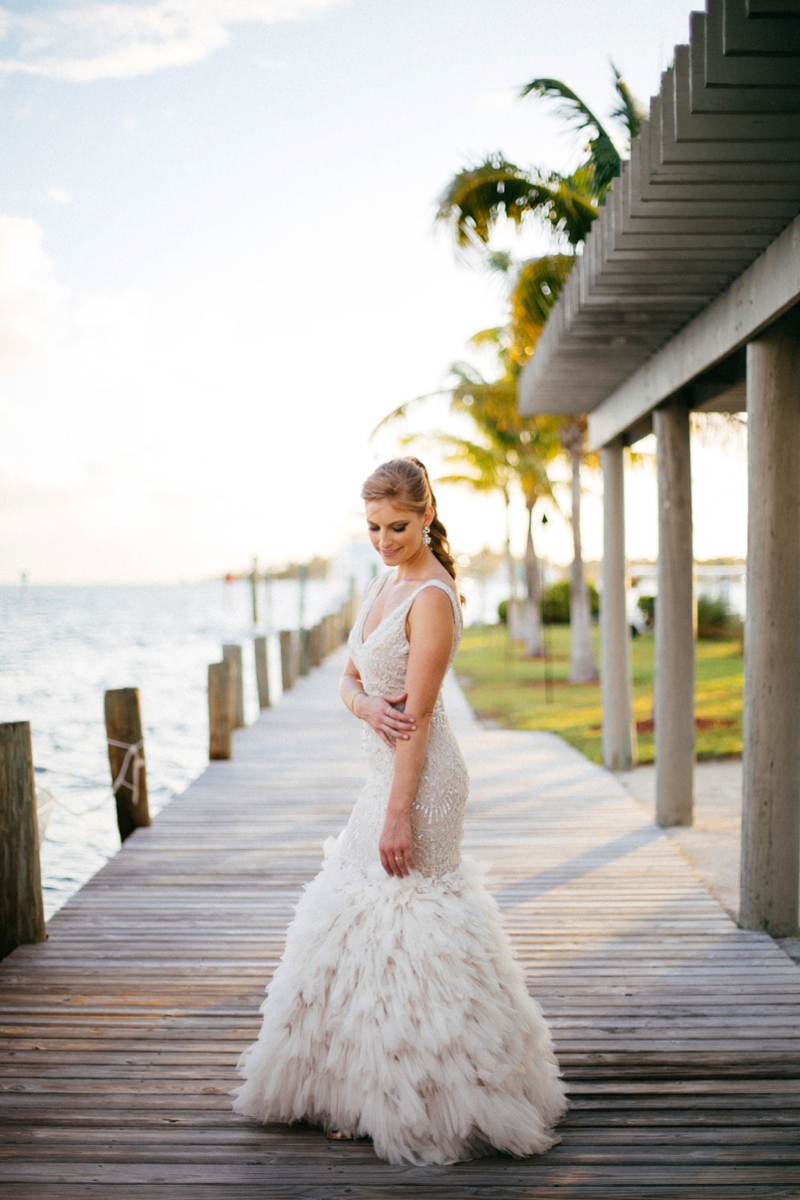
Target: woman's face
(396, 533)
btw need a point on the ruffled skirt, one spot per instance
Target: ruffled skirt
(399, 1013)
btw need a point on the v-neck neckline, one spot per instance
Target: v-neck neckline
(397, 607)
(364, 639)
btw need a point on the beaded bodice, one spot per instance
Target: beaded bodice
(437, 813)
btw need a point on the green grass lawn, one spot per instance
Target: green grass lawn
(501, 683)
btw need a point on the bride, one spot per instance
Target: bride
(398, 1011)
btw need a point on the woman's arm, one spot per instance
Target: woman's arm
(430, 635)
(377, 711)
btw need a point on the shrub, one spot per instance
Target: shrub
(556, 603)
(647, 607)
(715, 619)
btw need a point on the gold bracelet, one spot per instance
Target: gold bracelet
(360, 692)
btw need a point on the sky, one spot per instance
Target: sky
(219, 267)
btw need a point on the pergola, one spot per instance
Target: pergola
(686, 297)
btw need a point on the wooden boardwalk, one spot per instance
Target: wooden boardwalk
(678, 1033)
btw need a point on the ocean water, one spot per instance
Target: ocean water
(62, 647)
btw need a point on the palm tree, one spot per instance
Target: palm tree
(478, 196)
(583, 668)
(472, 205)
(484, 467)
(511, 449)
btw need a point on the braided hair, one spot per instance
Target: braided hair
(406, 481)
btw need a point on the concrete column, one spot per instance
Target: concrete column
(771, 810)
(674, 688)
(619, 745)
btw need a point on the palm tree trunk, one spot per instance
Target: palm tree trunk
(511, 611)
(583, 668)
(531, 624)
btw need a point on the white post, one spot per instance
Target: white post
(619, 745)
(674, 685)
(771, 767)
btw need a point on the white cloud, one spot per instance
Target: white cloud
(31, 298)
(93, 41)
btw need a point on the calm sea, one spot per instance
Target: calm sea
(61, 647)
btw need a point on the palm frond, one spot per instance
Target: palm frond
(604, 158)
(572, 208)
(628, 110)
(499, 261)
(402, 411)
(495, 336)
(474, 200)
(537, 287)
(570, 106)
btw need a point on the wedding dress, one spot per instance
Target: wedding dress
(398, 1011)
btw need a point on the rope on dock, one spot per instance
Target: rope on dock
(132, 755)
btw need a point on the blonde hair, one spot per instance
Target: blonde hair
(406, 481)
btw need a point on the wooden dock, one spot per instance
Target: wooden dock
(679, 1034)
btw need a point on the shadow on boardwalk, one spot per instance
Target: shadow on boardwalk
(678, 1033)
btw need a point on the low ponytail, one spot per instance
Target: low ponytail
(438, 534)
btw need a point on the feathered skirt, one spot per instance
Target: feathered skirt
(398, 1012)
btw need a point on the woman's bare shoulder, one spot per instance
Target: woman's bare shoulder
(433, 604)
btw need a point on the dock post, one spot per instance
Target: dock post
(304, 641)
(220, 713)
(315, 644)
(289, 655)
(126, 758)
(254, 590)
(233, 655)
(771, 761)
(262, 671)
(21, 904)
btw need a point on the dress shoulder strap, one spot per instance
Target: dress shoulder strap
(438, 583)
(375, 584)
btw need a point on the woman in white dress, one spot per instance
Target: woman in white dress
(398, 1011)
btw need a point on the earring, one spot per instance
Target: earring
(426, 535)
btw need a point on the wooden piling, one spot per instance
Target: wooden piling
(304, 642)
(289, 656)
(315, 645)
(329, 634)
(220, 711)
(21, 904)
(126, 759)
(262, 671)
(254, 590)
(233, 655)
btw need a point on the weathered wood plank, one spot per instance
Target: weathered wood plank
(678, 1034)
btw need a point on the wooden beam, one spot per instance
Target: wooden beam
(21, 905)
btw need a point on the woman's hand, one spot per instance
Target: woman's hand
(388, 722)
(395, 845)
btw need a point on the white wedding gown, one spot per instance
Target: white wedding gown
(398, 1011)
